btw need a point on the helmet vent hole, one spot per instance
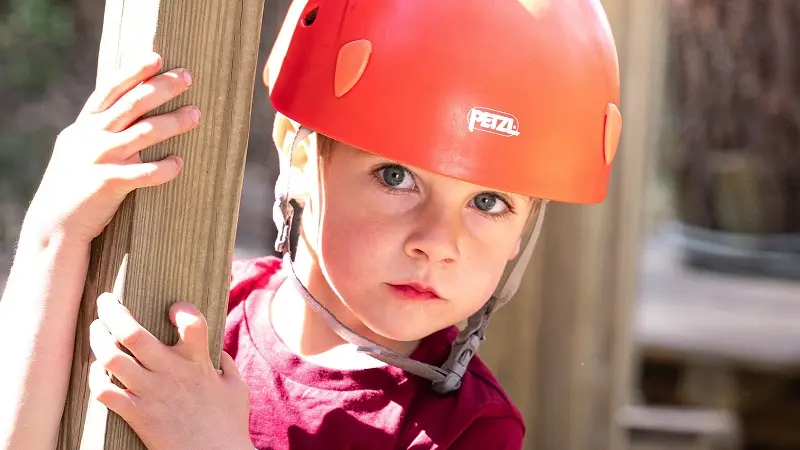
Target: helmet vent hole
(309, 19)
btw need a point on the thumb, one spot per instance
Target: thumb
(228, 367)
(192, 331)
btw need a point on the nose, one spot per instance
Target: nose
(435, 236)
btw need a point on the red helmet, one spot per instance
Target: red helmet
(514, 95)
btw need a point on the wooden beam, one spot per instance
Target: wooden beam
(177, 239)
(643, 28)
(562, 348)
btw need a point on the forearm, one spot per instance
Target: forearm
(38, 315)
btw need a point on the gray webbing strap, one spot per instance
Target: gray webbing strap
(514, 273)
(446, 378)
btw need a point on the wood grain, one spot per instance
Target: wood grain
(178, 238)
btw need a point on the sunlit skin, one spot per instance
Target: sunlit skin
(396, 253)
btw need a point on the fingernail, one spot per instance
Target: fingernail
(179, 162)
(187, 77)
(194, 113)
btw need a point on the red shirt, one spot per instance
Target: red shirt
(297, 405)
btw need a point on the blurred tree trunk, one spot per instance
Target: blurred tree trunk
(89, 18)
(736, 71)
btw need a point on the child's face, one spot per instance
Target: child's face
(409, 252)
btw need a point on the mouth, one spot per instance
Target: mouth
(414, 291)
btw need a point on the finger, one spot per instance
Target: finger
(126, 369)
(123, 81)
(228, 367)
(112, 396)
(150, 131)
(144, 98)
(149, 351)
(123, 179)
(192, 331)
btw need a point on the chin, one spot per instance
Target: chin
(399, 324)
(399, 332)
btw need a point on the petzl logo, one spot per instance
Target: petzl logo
(493, 121)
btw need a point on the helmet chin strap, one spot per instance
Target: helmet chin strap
(447, 378)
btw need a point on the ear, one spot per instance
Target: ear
(283, 133)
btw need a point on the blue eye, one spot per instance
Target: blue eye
(396, 177)
(489, 203)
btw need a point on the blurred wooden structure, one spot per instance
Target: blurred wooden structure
(563, 348)
(734, 161)
(659, 428)
(721, 341)
(728, 338)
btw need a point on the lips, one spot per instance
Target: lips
(414, 291)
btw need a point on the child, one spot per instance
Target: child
(422, 140)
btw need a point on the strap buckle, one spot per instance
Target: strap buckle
(284, 209)
(456, 365)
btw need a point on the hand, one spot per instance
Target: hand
(174, 397)
(96, 160)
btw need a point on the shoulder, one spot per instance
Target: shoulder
(492, 433)
(497, 422)
(482, 387)
(480, 390)
(248, 275)
(481, 414)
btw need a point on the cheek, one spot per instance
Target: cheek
(483, 272)
(361, 217)
(491, 243)
(356, 243)
(494, 239)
